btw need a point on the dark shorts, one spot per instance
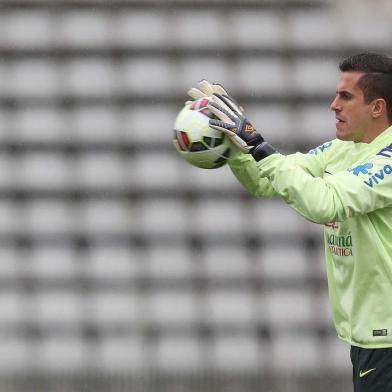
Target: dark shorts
(372, 369)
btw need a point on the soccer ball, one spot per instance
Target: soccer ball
(195, 141)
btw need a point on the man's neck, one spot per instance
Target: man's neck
(375, 131)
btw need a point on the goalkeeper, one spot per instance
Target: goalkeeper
(346, 185)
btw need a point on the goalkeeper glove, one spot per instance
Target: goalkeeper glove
(240, 131)
(209, 90)
(206, 89)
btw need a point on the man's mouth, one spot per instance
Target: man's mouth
(339, 120)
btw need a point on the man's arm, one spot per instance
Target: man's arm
(334, 198)
(245, 169)
(321, 200)
(248, 173)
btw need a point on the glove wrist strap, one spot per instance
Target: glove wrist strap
(262, 151)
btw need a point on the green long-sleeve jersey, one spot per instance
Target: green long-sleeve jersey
(347, 187)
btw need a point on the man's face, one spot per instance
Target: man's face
(353, 115)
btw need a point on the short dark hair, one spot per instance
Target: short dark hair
(377, 81)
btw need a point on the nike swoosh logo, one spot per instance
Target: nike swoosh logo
(364, 373)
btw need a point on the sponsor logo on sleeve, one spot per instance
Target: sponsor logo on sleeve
(320, 149)
(373, 177)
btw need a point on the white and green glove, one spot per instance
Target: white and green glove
(205, 89)
(233, 123)
(231, 119)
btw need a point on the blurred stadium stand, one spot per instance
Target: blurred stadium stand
(123, 268)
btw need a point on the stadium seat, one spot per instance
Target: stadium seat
(168, 262)
(90, 78)
(220, 263)
(281, 219)
(221, 180)
(114, 310)
(317, 267)
(47, 217)
(236, 354)
(100, 170)
(88, 28)
(287, 308)
(100, 217)
(231, 307)
(9, 214)
(121, 354)
(216, 218)
(28, 29)
(5, 132)
(110, 263)
(53, 262)
(294, 354)
(259, 76)
(138, 128)
(210, 23)
(378, 19)
(12, 309)
(15, 356)
(175, 354)
(171, 308)
(131, 26)
(136, 76)
(95, 124)
(57, 309)
(189, 72)
(305, 74)
(275, 123)
(247, 25)
(44, 84)
(322, 25)
(148, 173)
(277, 262)
(11, 266)
(335, 356)
(62, 355)
(317, 124)
(40, 125)
(44, 171)
(324, 310)
(160, 217)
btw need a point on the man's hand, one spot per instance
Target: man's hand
(240, 131)
(206, 89)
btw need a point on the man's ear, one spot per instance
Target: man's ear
(379, 107)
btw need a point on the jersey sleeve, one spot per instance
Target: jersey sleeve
(334, 197)
(250, 173)
(245, 169)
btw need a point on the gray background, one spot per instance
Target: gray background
(123, 268)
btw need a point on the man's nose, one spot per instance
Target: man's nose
(334, 105)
